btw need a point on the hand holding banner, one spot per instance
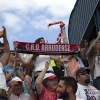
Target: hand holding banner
(45, 48)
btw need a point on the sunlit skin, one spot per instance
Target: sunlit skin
(98, 45)
(65, 92)
(42, 41)
(61, 88)
(52, 84)
(82, 77)
(15, 45)
(17, 88)
(11, 57)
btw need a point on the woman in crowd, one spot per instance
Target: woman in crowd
(94, 61)
(28, 76)
(84, 48)
(84, 45)
(46, 84)
(39, 60)
(24, 66)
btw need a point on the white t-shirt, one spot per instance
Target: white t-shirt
(77, 98)
(21, 97)
(2, 79)
(97, 67)
(40, 63)
(87, 92)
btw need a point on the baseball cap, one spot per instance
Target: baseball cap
(50, 76)
(81, 70)
(17, 79)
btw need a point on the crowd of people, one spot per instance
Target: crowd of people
(71, 77)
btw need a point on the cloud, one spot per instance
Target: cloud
(11, 20)
(23, 17)
(12, 37)
(15, 12)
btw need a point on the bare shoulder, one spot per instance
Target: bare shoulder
(27, 77)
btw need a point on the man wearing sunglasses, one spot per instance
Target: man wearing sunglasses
(86, 91)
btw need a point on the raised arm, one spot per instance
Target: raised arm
(9, 75)
(28, 59)
(63, 31)
(19, 71)
(12, 83)
(93, 45)
(39, 79)
(6, 54)
(32, 95)
(57, 58)
(66, 64)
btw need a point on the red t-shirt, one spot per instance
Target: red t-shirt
(47, 95)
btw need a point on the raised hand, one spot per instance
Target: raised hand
(15, 62)
(15, 45)
(12, 83)
(66, 63)
(3, 32)
(62, 25)
(47, 64)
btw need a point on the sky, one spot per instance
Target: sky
(27, 20)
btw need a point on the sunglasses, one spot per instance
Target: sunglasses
(13, 54)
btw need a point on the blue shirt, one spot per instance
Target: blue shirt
(7, 69)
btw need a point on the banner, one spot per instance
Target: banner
(25, 47)
(54, 23)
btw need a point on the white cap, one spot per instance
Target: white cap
(49, 76)
(16, 79)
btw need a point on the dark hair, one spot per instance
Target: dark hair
(85, 62)
(12, 51)
(29, 69)
(82, 43)
(45, 81)
(70, 81)
(37, 41)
